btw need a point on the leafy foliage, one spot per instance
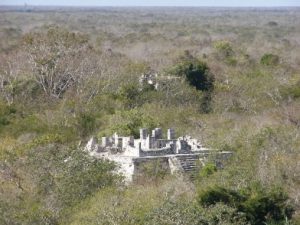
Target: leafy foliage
(5, 113)
(86, 124)
(195, 72)
(224, 48)
(291, 91)
(60, 177)
(208, 170)
(269, 59)
(225, 52)
(259, 205)
(129, 122)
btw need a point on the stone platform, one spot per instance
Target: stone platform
(182, 155)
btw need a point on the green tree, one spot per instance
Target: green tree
(195, 72)
(129, 95)
(259, 204)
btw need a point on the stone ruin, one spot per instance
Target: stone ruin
(180, 155)
(155, 80)
(149, 79)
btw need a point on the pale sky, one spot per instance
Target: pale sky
(229, 3)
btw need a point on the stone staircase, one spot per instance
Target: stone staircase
(190, 164)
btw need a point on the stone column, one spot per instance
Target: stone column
(143, 133)
(116, 140)
(153, 134)
(171, 134)
(105, 142)
(178, 146)
(131, 141)
(139, 150)
(158, 133)
(119, 142)
(91, 145)
(148, 142)
(125, 142)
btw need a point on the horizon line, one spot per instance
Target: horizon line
(199, 6)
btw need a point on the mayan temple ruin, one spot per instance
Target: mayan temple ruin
(178, 155)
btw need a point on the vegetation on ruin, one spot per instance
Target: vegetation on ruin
(229, 78)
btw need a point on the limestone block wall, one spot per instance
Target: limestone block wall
(126, 166)
(131, 151)
(174, 165)
(157, 152)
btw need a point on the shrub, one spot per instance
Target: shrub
(259, 204)
(221, 214)
(6, 113)
(231, 61)
(198, 76)
(128, 123)
(86, 123)
(152, 171)
(195, 72)
(181, 212)
(206, 101)
(224, 48)
(129, 95)
(272, 24)
(21, 124)
(67, 173)
(264, 207)
(220, 195)
(174, 213)
(81, 176)
(269, 59)
(291, 91)
(208, 170)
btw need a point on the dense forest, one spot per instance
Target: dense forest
(229, 77)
